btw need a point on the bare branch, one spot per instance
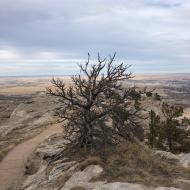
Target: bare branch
(94, 98)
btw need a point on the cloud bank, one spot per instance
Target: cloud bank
(52, 36)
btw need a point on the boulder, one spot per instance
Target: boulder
(183, 159)
(82, 178)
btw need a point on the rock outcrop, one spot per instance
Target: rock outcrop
(67, 175)
(183, 159)
(28, 119)
(82, 179)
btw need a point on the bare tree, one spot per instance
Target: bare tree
(96, 109)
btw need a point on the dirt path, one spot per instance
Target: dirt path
(13, 165)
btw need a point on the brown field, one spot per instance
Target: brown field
(28, 85)
(25, 85)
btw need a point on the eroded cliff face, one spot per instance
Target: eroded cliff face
(24, 119)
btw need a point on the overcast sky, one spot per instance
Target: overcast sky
(49, 37)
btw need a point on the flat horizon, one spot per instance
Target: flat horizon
(68, 75)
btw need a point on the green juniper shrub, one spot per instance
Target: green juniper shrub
(168, 134)
(153, 128)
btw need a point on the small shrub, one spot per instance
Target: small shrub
(185, 121)
(153, 129)
(157, 97)
(77, 188)
(149, 94)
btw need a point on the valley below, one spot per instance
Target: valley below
(31, 132)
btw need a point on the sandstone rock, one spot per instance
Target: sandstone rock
(130, 186)
(58, 169)
(82, 178)
(33, 181)
(120, 186)
(30, 116)
(168, 155)
(46, 178)
(20, 111)
(184, 184)
(47, 175)
(166, 188)
(50, 148)
(183, 159)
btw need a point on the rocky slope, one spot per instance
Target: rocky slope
(25, 119)
(67, 174)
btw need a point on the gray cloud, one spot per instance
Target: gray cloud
(156, 31)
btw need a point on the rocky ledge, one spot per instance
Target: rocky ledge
(64, 174)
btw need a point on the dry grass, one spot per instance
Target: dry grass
(61, 180)
(26, 85)
(78, 188)
(135, 164)
(23, 90)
